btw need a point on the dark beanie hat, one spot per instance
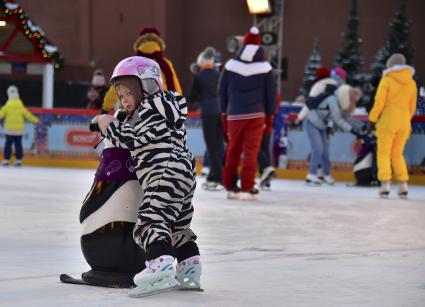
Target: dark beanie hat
(149, 30)
(252, 37)
(322, 73)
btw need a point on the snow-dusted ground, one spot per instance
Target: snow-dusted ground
(296, 246)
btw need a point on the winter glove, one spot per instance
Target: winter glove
(355, 132)
(268, 125)
(370, 127)
(293, 125)
(94, 127)
(224, 124)
(329, 131)
(104, 121)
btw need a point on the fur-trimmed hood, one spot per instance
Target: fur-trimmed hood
(401, 73)
(149, 43)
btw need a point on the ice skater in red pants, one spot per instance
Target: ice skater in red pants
(247, 93)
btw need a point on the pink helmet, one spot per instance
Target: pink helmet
(145, 69)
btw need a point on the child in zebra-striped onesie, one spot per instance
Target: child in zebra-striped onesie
(165, 168)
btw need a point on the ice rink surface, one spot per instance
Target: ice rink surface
(296, 246)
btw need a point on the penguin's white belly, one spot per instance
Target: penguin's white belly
(121, 206)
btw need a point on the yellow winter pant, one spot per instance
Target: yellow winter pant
(390, 153)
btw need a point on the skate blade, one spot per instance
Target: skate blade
(402, 195)
(248, 197)
(189, 289)
(266, 189)
(148, 289)
(234, 196)
(384, 195)
(189, 284)
(213, 189)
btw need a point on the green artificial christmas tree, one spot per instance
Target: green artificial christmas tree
(313, 63)
(398, 40)
(348, 55)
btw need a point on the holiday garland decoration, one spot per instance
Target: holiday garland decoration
(47, 51)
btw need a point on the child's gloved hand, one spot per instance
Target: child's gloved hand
(355, 132)
(104, 121)
(370, 127)
(93, 127)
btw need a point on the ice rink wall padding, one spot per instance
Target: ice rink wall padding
(62, 139)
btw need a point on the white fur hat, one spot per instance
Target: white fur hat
(396, 59)
(343, 95)
(12, 92)
(206, 57)
(98, 78)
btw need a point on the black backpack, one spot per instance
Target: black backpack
(313, 102)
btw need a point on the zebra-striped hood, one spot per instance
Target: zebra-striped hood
(170, 105)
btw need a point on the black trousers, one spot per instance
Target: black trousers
(213, 137)
(15, 140)
(264, 156)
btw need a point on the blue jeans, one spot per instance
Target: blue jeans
(319, 148)
(17, 141)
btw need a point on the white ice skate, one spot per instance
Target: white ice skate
(212, 186)
(313, 180)
(189, 274)
(268, 173)
(265, 186)
(251, 195)
(329, 180)
(384, 192)
(234, 194)
(159, 276)
(403, 190)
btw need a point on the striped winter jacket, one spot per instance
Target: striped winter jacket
(155, 134)
(247, 88)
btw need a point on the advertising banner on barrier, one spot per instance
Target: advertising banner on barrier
(64, 133)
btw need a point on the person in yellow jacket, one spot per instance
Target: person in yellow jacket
(149, 44)
(15, 114)
(394, 107)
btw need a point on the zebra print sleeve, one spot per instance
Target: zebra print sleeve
(129, 136)
(170, 105)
